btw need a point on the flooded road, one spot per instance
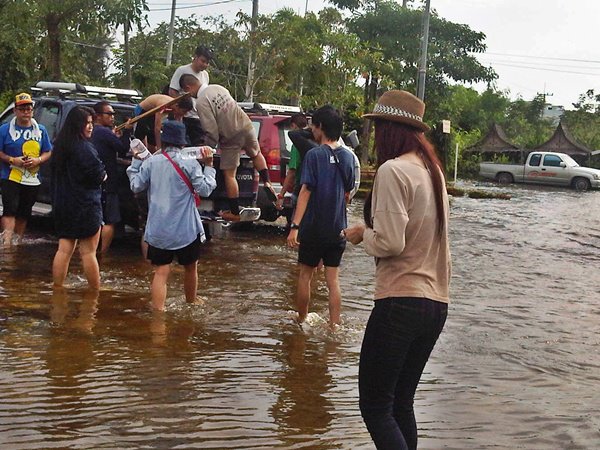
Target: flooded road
(517, 366)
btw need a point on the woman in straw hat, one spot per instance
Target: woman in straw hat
(406, 230)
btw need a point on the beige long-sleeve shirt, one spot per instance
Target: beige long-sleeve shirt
(412, 258)
(221, 117)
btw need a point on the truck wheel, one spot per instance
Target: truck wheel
(505, 178)
(581, 184)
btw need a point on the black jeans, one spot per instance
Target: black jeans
(399, 338)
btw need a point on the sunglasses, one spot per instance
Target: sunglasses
(24, 108)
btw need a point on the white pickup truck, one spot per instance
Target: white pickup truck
(557, 169)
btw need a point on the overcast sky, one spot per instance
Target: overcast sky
(533, 45)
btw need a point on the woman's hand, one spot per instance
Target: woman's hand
(354, 234)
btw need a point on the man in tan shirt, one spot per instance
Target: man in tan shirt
(227, 126)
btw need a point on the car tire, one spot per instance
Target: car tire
(505, 178)
(581, 184)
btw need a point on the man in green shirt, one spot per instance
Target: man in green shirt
(292, 180)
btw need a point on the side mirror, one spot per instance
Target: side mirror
(563, 164)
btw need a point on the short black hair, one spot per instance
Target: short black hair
(99, 107)
(299, 120)
(186, 103)
(187, 79)
(201, 50)
(330, 121)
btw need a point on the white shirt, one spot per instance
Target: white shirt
(183, 70)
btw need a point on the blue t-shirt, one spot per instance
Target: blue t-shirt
(109, 146)
(328, 174)
(22, 141)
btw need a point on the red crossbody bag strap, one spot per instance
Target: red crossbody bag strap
(185, 179)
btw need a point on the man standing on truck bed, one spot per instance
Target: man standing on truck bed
(24, 147)
(228, 126)
(197, 68)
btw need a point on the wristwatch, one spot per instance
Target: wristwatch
(294, 226)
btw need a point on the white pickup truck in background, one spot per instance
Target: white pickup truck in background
(550, 168)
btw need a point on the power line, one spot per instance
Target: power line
(546, 70)
(198, 6)
(544, 57)
(560, 66)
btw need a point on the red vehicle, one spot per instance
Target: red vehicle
(271, 123)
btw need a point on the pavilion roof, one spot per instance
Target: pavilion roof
(495, 141)
(562, 141)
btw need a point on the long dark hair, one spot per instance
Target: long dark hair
(70, 134)
(393, 139)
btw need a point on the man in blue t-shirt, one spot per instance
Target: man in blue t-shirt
(24, 147)
(320, 216)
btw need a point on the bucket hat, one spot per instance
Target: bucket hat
(402, 107)
(173, 132)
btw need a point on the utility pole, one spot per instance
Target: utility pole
(251, 63)
(171, 33)
(128, 77)
(423, 60)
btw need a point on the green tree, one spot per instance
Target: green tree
(396, 33)
(20, 49)
(584, 121)
(126, 13)
(524, 123)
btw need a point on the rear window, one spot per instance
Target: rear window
(535, 160)
(288, 141)
(47, 115)
(7, 118)
(122, 114)
(256, 124)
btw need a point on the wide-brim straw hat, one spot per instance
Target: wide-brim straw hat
(402, 107)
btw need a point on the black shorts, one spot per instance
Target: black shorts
(186, 255)
(18, 199)
(331, 254)
(144, 128)
(110, 208)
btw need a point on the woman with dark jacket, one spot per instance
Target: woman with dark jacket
(406, 231)
(77, 175)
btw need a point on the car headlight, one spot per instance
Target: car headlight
(596, 176)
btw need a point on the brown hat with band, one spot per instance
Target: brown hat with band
(402, 107)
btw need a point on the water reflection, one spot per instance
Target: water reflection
(302, 408)
(517, 365)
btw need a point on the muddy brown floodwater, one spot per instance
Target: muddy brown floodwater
(517, 366)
